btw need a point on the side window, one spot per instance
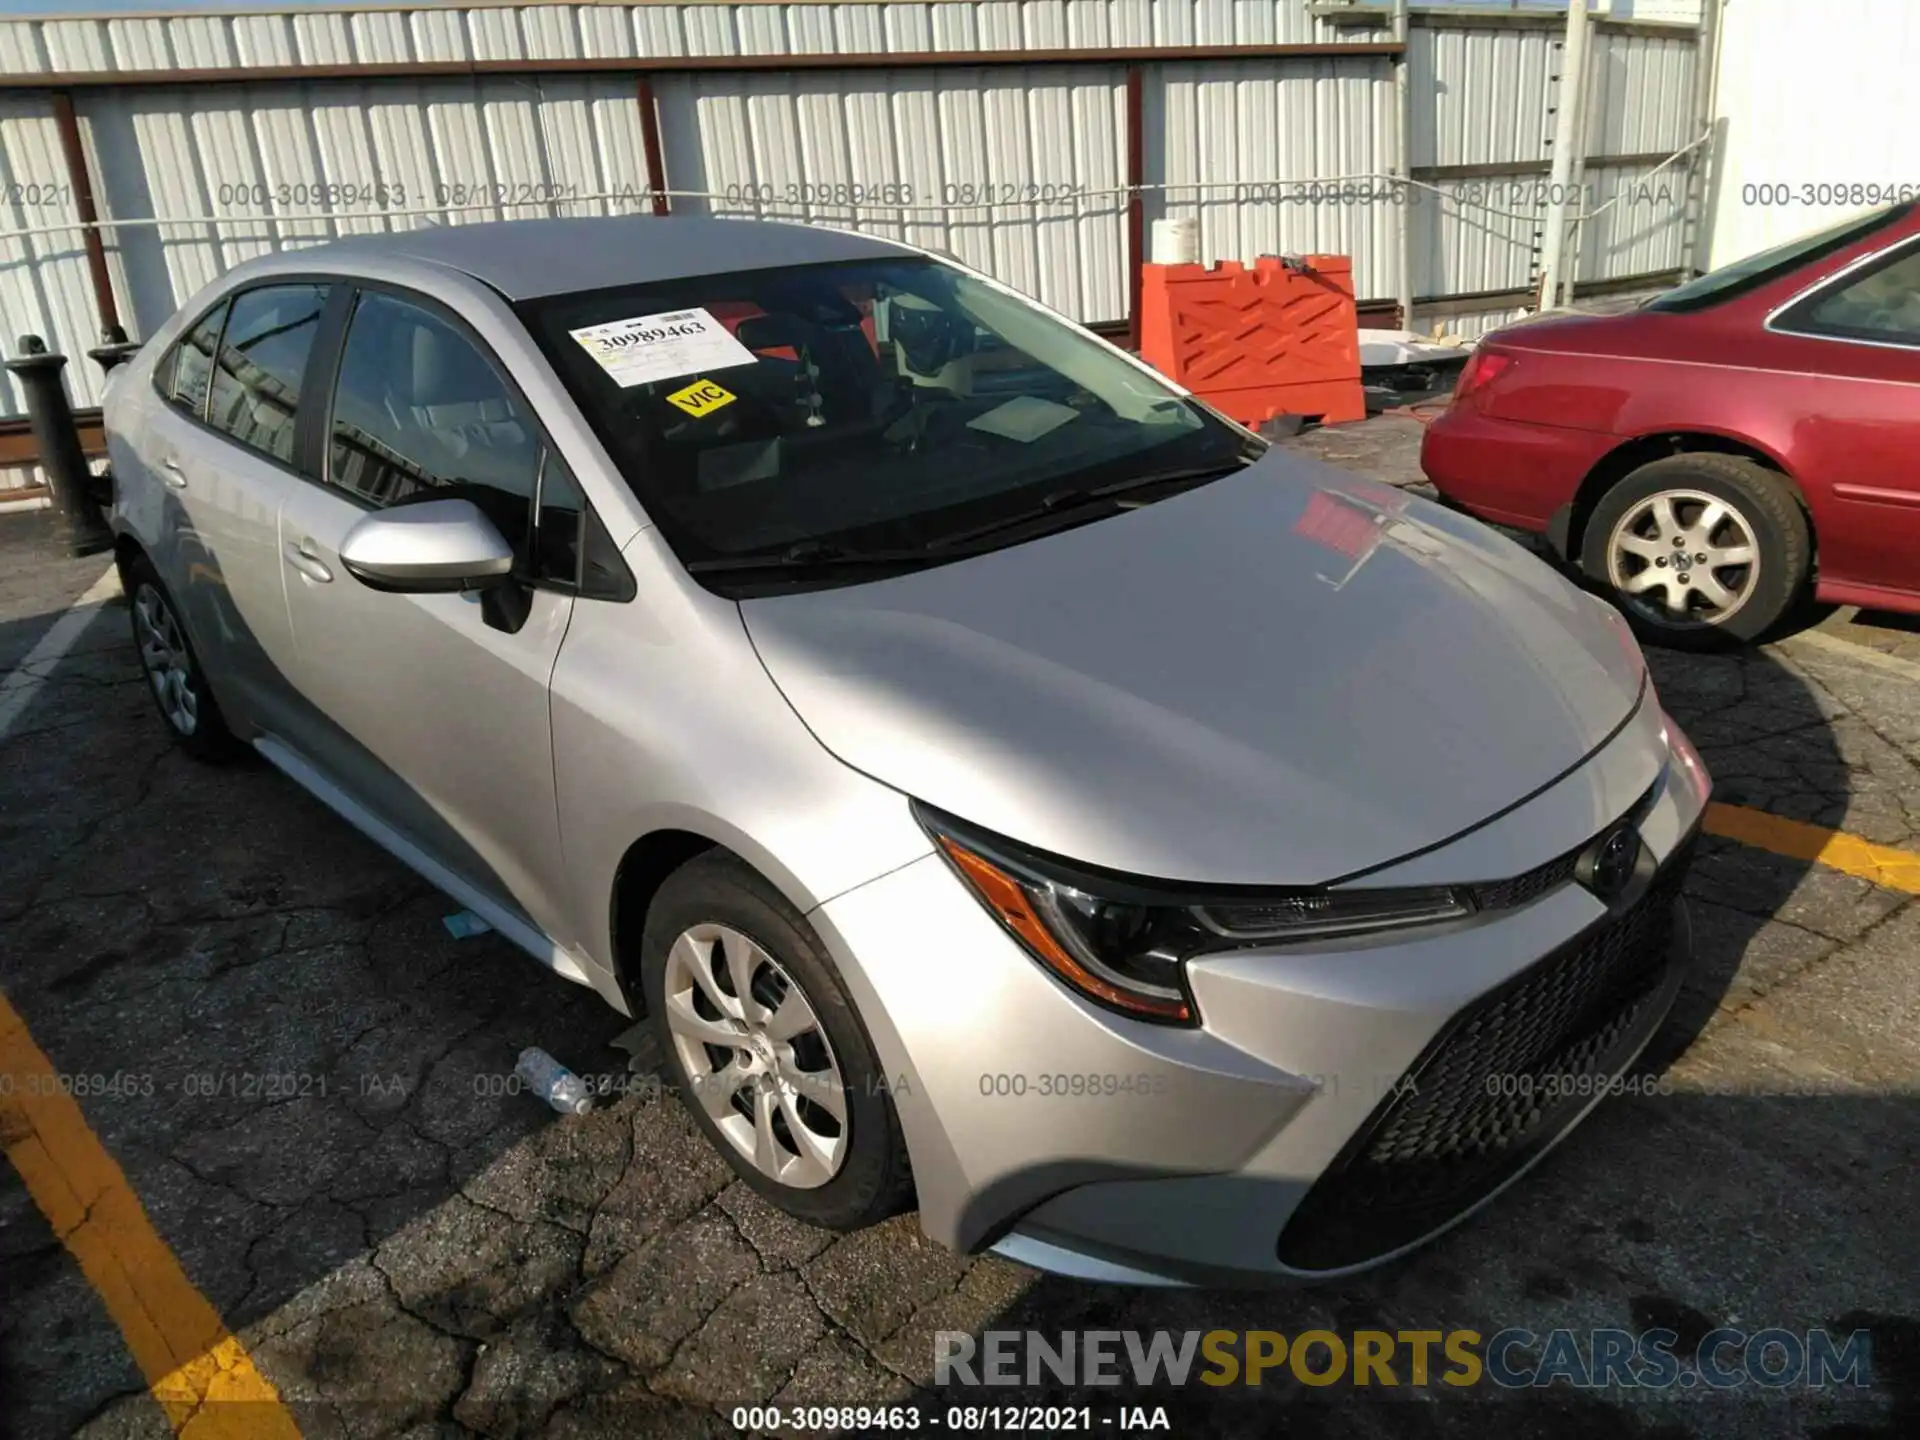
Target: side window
(420, 414)
(263, 353)
(184, 377)
(1881, 305)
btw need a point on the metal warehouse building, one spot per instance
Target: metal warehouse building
(143, 155)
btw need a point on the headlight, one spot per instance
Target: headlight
(1124, 943)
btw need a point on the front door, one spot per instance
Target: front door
(425, 712)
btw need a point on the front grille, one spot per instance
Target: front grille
(1519, 889)
(1505, 894)
(1500, 1083)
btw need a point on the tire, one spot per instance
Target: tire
(1631, 533)
(175, 678)
(709, 913)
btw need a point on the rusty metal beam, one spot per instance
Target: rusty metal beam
(1548, 20)
(1501, 169)
(1481, 300)
(80, 178)
(16, 439)
(701, 64)
(650, 141)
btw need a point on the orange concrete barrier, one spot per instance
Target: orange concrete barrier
(1257, 342)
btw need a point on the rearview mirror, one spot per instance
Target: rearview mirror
(432, 547)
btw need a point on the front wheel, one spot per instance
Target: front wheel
(765, 1048)
(1699, 550)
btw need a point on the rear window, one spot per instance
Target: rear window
(1879, 304)
(191, 364)
(1745, 276)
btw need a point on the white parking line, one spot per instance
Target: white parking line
(1854, 651)
(20, 685)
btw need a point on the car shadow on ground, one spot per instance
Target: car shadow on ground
(314, 1071)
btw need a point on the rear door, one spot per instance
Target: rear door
(426, 711)
(1857, 338)
(221, 446)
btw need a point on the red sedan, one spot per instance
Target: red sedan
(1707, 457)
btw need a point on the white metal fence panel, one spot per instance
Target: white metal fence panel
(1020, 172)
(1484, 95)
(1641, 94)
(559, 32)
(44, 284)
(1638, 224)
(1488, 99)
(1222, 136)
(374, 156)
(1844, 143)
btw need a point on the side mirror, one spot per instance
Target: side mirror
(435, 546)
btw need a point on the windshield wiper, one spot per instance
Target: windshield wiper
(1172, 477)
(1062, 504)
(806, 555)
(818, 554)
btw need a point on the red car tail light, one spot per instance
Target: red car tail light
(1480, 371)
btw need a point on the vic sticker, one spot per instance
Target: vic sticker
(702, 397)
(662, 347)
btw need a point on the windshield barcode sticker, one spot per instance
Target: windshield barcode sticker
(662, 347)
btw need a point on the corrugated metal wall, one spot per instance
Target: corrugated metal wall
(793, 146)
(953, 145)
(551, 32)
(44, 288)
(1493, 102)
(1267, 121)
(370, 152)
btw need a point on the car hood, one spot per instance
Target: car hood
(1282, 678)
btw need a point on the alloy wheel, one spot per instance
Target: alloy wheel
(755, 1055)
(1683, 558)
(165, 658)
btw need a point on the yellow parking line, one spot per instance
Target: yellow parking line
(201, 1375)
(1882, 864)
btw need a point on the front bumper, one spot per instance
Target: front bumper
(1274, 1140)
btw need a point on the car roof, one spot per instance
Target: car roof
(525, 259)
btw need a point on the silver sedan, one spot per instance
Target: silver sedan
(1005, 786)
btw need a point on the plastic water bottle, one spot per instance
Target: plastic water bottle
(553, 1082)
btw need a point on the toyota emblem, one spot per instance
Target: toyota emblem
(1607, 868)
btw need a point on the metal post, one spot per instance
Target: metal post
(57, 439)
(1577, 187)
(1696, 229)
(1566, 139)
(1403, 164)
(1136, 200)
(114, 349)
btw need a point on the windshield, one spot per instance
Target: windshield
(1757, 270)
(878, 405)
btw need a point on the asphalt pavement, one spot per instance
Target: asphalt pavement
(299, 1073)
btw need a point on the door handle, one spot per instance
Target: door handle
(306, 562)
(172, 474)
